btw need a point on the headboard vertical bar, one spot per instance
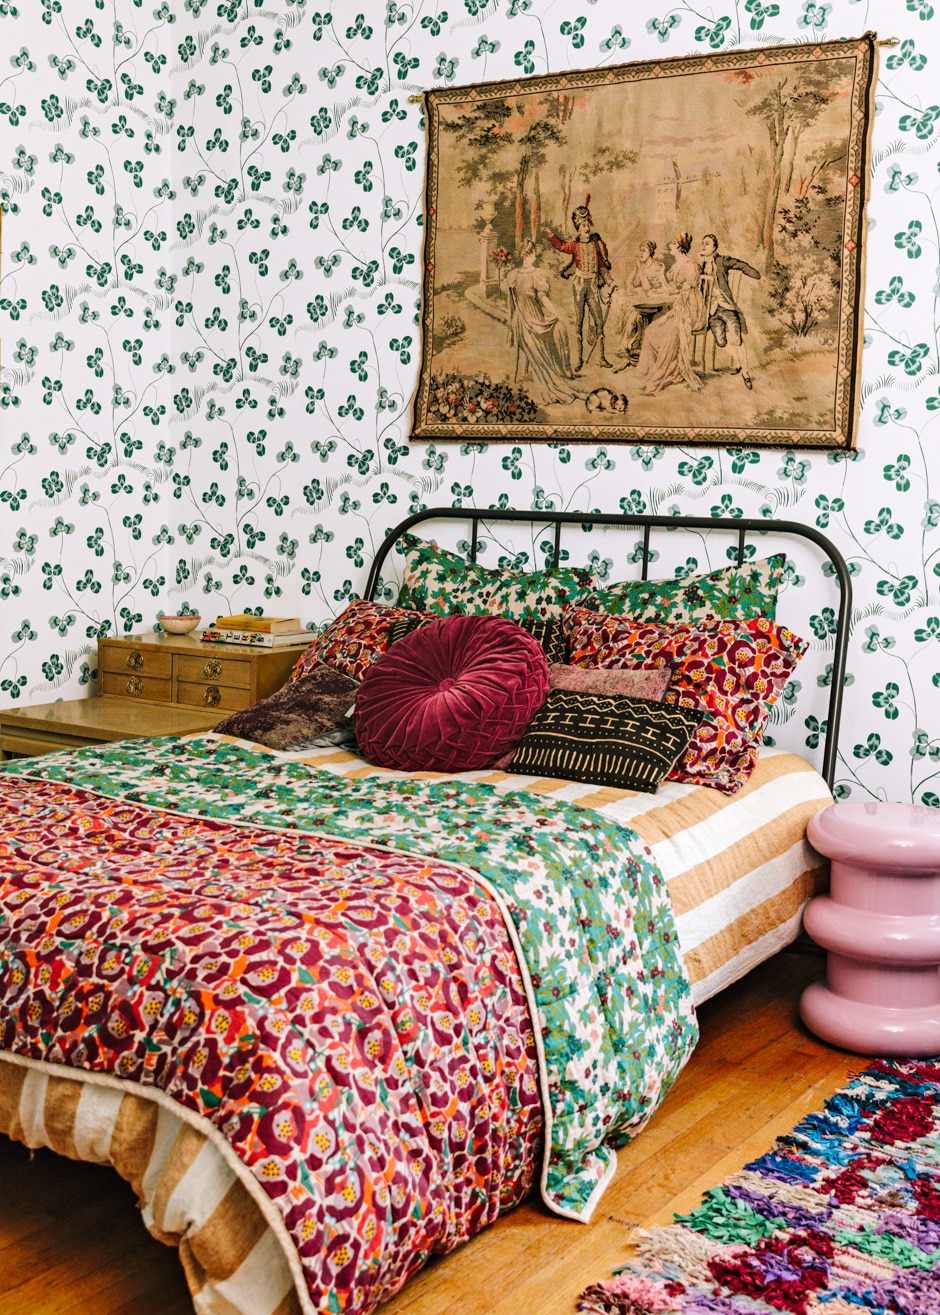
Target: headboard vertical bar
(556, 560)
(646, 552)
(741, 538)
(839, 654)
(474, 536)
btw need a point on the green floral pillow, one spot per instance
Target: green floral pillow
(442, 582)
(734, 593)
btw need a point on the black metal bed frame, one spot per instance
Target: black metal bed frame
(741, 528)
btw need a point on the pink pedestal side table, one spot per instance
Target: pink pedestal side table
(880, 926)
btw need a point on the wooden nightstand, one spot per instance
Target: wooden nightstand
(182, 670)
(151, 685)
(48, 727)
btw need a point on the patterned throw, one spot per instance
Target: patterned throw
(842, 1217)
(319, 967)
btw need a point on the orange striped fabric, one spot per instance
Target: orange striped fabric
(738, 867)
(191, 1197)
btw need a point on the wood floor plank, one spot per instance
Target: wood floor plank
(779, 1122)
(755, 1073)
(72, 1239)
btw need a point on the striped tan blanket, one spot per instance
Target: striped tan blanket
(738, 867)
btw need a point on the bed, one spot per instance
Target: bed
(290, 995)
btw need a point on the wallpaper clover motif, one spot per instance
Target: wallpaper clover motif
(209, 319)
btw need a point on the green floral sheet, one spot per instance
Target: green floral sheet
(584, 902)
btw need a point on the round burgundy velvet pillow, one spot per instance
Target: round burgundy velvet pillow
(453, 695)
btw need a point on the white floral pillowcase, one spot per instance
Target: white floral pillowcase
(442, 582)
(732, 593)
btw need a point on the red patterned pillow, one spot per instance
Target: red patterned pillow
(732, 671)
(452, 696)
(357, 637)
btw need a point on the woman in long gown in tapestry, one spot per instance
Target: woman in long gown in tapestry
(624, 327)
(538, 332)
(666, 354)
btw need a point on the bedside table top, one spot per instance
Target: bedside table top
(103, 719)
(151, 639)
(896, 836)
(193, 644)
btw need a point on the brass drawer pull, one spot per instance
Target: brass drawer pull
(135, 659)
(213, 669)
(134, 686)
(212, 696)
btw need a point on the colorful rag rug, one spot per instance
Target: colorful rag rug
(320, 967)
(840, 1218)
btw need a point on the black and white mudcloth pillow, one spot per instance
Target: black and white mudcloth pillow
(604, 740)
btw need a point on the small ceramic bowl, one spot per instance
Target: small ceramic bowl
(179, 625)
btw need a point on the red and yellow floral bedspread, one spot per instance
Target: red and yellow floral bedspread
(351, 1017)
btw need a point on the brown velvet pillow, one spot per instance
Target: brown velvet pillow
(315, 704)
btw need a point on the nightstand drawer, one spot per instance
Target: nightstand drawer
(211, 679)
(209, 694)
(216, 670)
(131, 685)
(134, 660)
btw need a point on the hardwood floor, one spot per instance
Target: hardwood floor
(72, 1242)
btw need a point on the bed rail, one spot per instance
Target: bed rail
(741, 528)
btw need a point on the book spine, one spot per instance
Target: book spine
(261, 627)
(266, 625)
(250, 637)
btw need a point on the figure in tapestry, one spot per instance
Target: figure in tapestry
(666, 354)
(538, 333)
(625, 319)
(726, 320)
(589, 275)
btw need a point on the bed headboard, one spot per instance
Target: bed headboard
(740, 528)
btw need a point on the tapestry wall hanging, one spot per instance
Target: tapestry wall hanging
(661, 252)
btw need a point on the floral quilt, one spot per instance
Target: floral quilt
(322, 968)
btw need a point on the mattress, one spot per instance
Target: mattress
(738, 870)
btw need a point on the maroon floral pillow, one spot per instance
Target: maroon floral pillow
(733, 671)
(357, 637)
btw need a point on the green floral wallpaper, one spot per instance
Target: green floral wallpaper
(209, 323)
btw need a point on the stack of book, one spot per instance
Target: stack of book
(260, 631)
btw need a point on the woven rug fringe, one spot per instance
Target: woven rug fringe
(675, 1251)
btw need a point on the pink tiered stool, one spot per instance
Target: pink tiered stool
(880, 924)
